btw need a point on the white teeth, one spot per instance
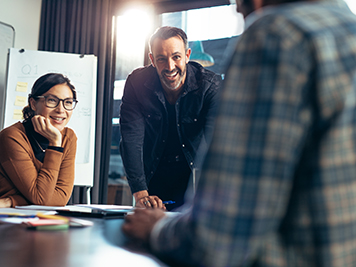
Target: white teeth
(58, 119)
(172, 74)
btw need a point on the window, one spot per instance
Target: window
(352, 5)
(132, 37)
(215, 36)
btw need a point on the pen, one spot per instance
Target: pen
(2, 215)
(168, 202)
(52, 217)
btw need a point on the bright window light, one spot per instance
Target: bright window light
(352, 5)
(207, 23)
(219, 22)
(131, 32)
(119, 89)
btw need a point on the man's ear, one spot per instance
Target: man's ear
(258, 4)
(151, 58)
(188, 53)
(32, 104)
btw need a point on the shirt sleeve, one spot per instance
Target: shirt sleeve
(260, 129)
(132, 130)
(211, 102)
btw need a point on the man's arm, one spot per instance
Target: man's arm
(210, 105)
(211, 102)
(132, 136)
(131, 147)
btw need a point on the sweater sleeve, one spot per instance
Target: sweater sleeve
(64, 186)
(18, 200)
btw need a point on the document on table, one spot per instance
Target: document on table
(96, 210)
(52, 208)
(27, 212)
(77, 207)
(33, 216)
(106, 207)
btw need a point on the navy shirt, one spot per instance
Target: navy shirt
(172, 175)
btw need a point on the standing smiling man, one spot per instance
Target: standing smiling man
(167, 112)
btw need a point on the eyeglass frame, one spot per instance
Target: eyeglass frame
(59, 100)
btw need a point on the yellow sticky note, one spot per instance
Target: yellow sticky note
(20, 101)
(17, 114)
(21, 87)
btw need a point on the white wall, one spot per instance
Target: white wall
(24, 16)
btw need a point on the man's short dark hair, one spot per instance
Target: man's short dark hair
(167, 32)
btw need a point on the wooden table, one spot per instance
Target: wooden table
(100, 245)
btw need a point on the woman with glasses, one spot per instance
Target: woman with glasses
(37, 155)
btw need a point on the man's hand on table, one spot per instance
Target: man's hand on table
(139, 224)
(144, 200)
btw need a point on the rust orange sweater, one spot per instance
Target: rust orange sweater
(25, 179)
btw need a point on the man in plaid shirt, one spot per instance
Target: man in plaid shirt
(278, 186)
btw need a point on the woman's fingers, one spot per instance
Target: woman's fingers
(44, 127)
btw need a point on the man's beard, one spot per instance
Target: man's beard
(172, 85)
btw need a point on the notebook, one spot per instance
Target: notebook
(96, 211)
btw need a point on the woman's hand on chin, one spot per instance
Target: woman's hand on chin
(44, 127)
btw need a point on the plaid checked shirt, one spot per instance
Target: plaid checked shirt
(278, 186)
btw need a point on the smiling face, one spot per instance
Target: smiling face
(170, 59)
(59, 116)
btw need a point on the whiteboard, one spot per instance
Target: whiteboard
(26, 66)
(7, 39)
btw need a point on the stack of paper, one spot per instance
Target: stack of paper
(39, 219)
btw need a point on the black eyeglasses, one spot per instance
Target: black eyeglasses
(52, 101)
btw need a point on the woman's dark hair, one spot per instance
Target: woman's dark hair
(41, 86)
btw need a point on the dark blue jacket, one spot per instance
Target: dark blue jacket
(144, 119)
